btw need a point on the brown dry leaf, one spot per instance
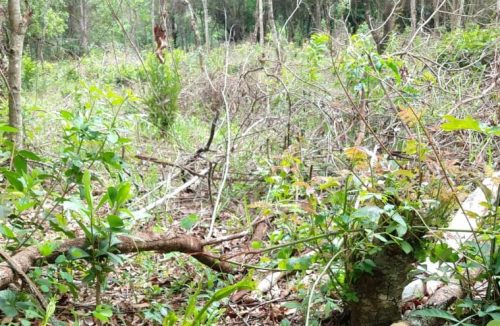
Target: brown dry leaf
(410, 116)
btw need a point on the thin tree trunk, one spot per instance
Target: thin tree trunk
(18, 25)
(3, 45)
(164, 19)
(261, 22)
(276, 40)
(387, 17)
(436, 15)
(206, 21)
(460, 16)
(255, 36)
(197, 38)
(498, 11)
(84, 42)
(317, 15)
(422, 11)
(413, 12)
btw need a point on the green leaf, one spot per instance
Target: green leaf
(442, 252)
(78, 253)
(66, 115)
(6, 128)
(103, 313)
(406, 247)
(87, 190)
(453, 124)
(435, 313)
(493, 323)
(30, 155)
(112, 194)
(123, 194)
(51, 308)
(20, 164)
(371, 212)
(256, 245)
(7, 232)
(403, 228)
(46, 249)
(115, 222)
(13, 179)
(245, 284)
(188, 222)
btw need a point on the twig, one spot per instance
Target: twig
(175, 192)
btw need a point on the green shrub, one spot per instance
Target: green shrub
(164, 88)
(465, 47)
(30, 72)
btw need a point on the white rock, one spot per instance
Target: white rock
(413, 290)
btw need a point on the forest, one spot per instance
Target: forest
(250, 162)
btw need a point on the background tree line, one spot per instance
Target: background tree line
(74, 27)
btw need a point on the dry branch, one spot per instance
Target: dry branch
(30, 256)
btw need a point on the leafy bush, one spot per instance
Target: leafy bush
(164, 89)
(474, 46)
(30, 72)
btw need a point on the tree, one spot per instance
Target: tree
(274, 31)
(261, 22)
(413, 12)
(205, 22)
(386, 18)
(18, 25)
(435, 4)
(79, 23)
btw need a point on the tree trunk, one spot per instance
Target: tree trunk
(436, 15)
(413, 12)
(498, 11)
(197, 38)
(3, 46)
(18, 25)
(84, 39)
(387, 17)
(206, 21)
(261, 22)
(460, 17)
(78, 24)
(317, 15)
(422, 11)
(274, 31)
(380, 292)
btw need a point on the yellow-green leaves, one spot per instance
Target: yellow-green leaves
(468, 123)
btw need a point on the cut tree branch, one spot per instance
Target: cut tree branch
(30, 256)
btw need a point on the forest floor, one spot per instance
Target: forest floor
(268, 112)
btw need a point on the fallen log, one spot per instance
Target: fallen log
(30, 256)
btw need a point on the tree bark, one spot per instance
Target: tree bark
(379, 293)
(78, 24)
(84, 38)
(498, 11)
(197, 38)
(460, 13)
(317, 15)
(18, 25)
(276, 41)
(27, 258)
(413, 13)
(436, 15)
(206, 18)
(387, 17)
(261, 22)
(3, 46)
